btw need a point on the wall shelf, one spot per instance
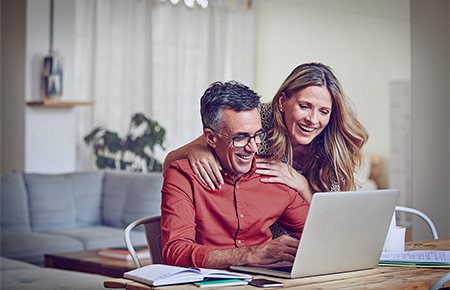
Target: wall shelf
(57, 104)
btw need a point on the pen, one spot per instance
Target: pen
(293, 236)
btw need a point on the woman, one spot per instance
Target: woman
(311, 128)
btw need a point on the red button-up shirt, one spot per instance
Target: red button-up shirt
(195, 219)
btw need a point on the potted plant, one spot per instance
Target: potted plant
(133, 152)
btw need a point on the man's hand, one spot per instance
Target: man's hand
(281, 249)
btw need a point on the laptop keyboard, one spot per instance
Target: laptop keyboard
(283, 269)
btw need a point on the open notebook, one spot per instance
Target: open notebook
(344, 231)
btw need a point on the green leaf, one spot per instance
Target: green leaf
(90, 137)
(125, 164)
(112, 141)
(103, 162)
(138, 119)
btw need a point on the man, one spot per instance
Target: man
(209, 228)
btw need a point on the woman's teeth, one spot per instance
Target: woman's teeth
(306, 128)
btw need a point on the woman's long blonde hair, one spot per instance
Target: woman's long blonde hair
(335, 154)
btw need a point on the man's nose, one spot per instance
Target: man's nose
(251, 145)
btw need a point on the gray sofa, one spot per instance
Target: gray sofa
(45, 213)
(17, 275)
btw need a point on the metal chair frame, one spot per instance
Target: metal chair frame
(422, 215)
(152, 228)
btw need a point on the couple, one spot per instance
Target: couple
(218, 206)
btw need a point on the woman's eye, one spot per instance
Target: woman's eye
(303, 107)
(325, 112)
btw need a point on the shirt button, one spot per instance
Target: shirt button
(241, 215)
(239, 242)
(237, 186)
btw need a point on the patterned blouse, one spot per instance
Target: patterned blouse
(264, 150)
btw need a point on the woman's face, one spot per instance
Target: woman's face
(306, 113)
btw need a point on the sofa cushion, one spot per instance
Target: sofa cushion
(130, 196)
(14, 211)
(64, 201)
(87, 189)
(31, 247)
(52, 206)
(10, 264)
(23, 276)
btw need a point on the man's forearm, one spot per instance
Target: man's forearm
(283, 248)
(223, 259)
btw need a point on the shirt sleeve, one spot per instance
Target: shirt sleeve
(178, 222)
(294, 217)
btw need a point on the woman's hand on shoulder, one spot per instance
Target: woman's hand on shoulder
(279, 172)
(206, 165)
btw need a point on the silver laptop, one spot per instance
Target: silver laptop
(344, 231)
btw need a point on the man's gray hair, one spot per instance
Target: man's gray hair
(219, 96)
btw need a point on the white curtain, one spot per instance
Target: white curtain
(156, 58)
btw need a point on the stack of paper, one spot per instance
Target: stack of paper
(431, 259)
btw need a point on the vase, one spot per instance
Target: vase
(52, 75)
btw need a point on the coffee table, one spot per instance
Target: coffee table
(90, 262)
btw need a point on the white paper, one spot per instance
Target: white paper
(418, 256)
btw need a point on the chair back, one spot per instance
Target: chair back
(419, 214)
(152, 228)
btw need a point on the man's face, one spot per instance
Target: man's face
(237, 161)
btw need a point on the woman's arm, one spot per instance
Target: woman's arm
(202, 159)
(181, 152)
(281, 173)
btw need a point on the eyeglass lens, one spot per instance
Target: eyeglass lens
(243, 141)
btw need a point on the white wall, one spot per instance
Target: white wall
(430, 114)
(367, 43)
(50, 145)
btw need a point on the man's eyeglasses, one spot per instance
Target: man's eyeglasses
(242, 141)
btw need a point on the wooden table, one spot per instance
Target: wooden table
(405, 278)
(90, 262)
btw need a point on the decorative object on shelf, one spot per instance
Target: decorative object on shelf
(132, 153)
(52, 76)
(52, 73)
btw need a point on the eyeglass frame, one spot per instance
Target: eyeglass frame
(264, 133)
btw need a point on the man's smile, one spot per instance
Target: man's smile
(245, 157)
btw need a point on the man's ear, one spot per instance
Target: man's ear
(210, 137)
